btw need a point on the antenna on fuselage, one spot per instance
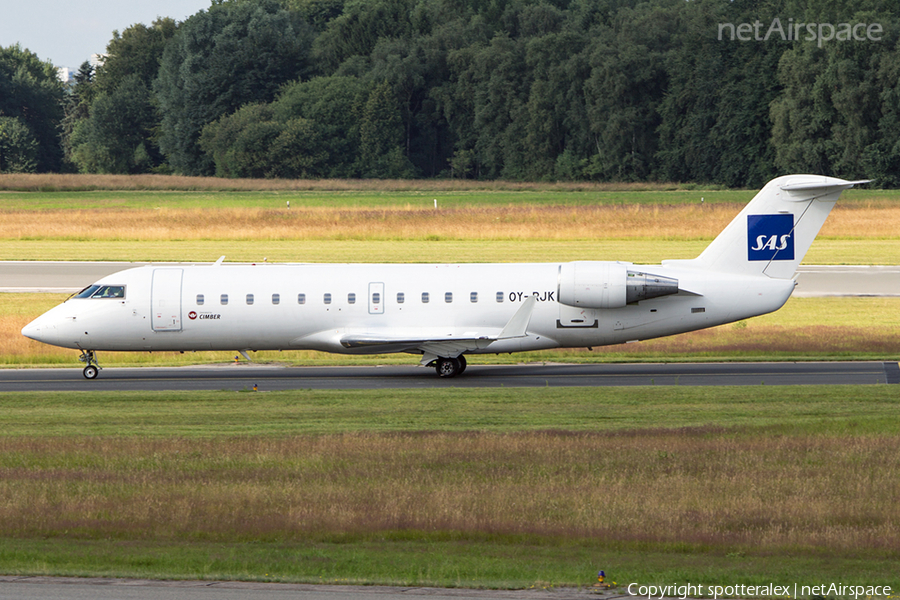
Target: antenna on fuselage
(220, 261)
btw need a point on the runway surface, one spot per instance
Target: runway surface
(268, 378)
(72, 588)
(68, 277)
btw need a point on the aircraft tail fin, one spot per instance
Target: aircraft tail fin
(774, 231)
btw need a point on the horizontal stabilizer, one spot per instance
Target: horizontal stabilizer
(826, 186)
(806, 189)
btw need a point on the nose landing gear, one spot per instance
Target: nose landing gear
(92, 369)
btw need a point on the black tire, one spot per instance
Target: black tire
(462, 363)
(447, 367)
(91, 372)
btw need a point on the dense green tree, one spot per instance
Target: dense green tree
(334, 105)
(239, 143)
(31, 92)
(381, 137)
(714, 117)
(77, 106)
(882, 157)
(627, 84)
(219, 60)
(491, 104)
(317, 13)
(359, 28)
(310, 130)
(518, 89)
(115, 137)
(137, 51)
(18, 147)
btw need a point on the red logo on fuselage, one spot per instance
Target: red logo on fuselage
(192, 315)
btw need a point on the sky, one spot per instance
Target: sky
(68, 32)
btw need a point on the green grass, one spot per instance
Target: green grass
(823, 251)
(510, 562)
(205, 480)
(37, 201)
(793, 409)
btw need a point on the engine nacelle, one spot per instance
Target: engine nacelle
(595, 284)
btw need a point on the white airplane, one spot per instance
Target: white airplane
(445, 311)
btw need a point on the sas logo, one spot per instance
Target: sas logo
(770, 237)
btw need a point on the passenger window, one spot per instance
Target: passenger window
(200, 299)
(473, 297)
(424, 297)
(401, 297)
(448, 297)
(249, 298)
(276, 298)
(499, 296)
(301, 298)
(351, 298)
(376, 298)
(223, 299)
(327, 298)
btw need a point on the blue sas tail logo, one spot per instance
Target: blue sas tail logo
(770, 237)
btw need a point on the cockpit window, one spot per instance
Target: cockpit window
(87, 292)
(106, 291)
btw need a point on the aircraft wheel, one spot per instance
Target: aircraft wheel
(447, 367)
(91, 372)
(462, 363)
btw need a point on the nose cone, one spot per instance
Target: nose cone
(40, 331)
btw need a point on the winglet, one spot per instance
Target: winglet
(519, 322)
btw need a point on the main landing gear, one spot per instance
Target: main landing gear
(92, 369)
(450, 367)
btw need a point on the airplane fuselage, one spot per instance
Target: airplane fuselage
(322, 306)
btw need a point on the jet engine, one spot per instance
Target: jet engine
(593, 284)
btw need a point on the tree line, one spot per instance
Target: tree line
(709, 91)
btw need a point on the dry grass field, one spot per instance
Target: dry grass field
(870, 221)
(695, 487)
(149, 208)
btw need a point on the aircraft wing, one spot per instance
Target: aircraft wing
(443, 342)
(445, 345)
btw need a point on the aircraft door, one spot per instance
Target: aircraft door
(376, 298)
(165, 300)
